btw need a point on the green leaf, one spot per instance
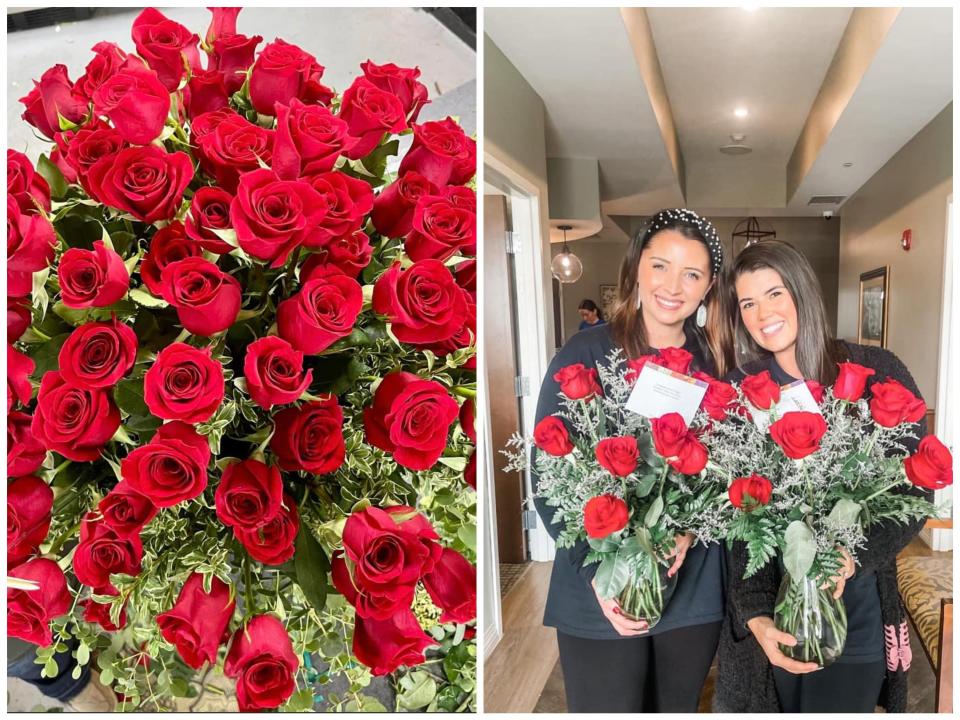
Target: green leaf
(82, 654)
(645, 485)
(311, 567)
(612, 576)
(603, 545)
(654, 512)
(468, 536)
(800, 550)
(844, 514)
(142, 297)
(419, 689)
(300, 701)
(47, 355)
(106, 676)
(50, 668)
(457, 463)
(51, 173)
(229, 236)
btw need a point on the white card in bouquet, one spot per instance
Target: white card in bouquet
(795, 397)
(660, 391)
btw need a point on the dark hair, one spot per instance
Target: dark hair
(817, 352)
(588, 304)
(626, 321)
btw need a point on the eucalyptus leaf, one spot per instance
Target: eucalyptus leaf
(800, 550)
(419, 690)
(844, 514)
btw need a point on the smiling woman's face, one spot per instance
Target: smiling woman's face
(767, 309)
(673, 277)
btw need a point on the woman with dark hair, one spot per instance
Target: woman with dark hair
(775, 311)
(666, 298)
(590, 314)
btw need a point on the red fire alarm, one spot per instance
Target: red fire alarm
(906, 239)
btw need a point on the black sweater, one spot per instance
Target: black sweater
(745, 676)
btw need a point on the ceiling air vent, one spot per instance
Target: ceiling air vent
(736, 146)
(826, 199)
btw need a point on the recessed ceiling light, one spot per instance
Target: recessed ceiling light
(848, 164)
(740, 112)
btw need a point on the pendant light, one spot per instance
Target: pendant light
(566, 266)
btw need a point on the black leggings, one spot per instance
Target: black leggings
(839, 688)
(660, 673)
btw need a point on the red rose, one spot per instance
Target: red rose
(206, 92)
(19, 369)
(346, 203)
(51, 97)
(107, 60)
(635, 366)
(851, 381)
(577, 382)
(442, 225)
(676, 359)
(464, 337)
(262, 660)
(394, 207)
(198, 622)
(310, 437)
(452, 585)
(309, 140)
(19, 317)
(605, 515)
(931, 467)
(58, 156)
(798, 433)
(274, 372)
(94, 612)
(25, 453)
(410, 419)
(467, 414)
(816, 389)
(87, 146)
(184, 383)
(249, 494)
(147, 182)
(206, 298)
(466, 275)
(232, 55)
(423, 303)
(282, 72)
(167, 46)
(470, 471)
(370, 113)
(719, 398)
(92, 278)
(73, 420)
(222, 24)
(385, 645)
(30, 247)
(760, 389)
(209, 211)
(102, 552)
(126, 510)
(168, 245)
(324, 311)
(25, 184)
(273, 216)
(272, 543)
(98, 354)
(892, 404)
(29, 612)
(551, 436)
(676, 444)
(233, 147)
(29, 503)
(171, 468)
(349, 253)
(441, 152)
(618, 455)
(401, 82)
(135, 101)
(749, 493)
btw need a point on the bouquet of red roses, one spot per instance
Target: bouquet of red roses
(239, 345)
(807, 485)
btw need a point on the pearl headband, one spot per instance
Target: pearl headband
(665, 218)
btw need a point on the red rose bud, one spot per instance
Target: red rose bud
(385, 645)
(719, 398)
(126, 510)
(931, 467)
(206, 298)
(423, 303)
(209, 211)
(309, 140)
(761, 390)
(346, 203)
(171, 468)
(676, 359)
(198, 622)
(262, 660)
(92, 278)
(443, 225)
(25, 184)
(605, 515)
(635, 367)
(618, 455)
(135, 101)
(29, 503)
(274, 372)
(467, 413)
(324, 311)
(19, 369)
(394, 207)
(272, 543)
(94, 612)
(577, 382)
(851, 381)
(452, 585)
(551, 436)
(233, 55)
(53, 96)
(29, 612)
(184, 383)
(25, 453)
(168, 245)
(370, 113)
(206, 92)
(310, 437)
(30, 247)
(798, 433)
(748, 493)
(892, 404)
(147, 182)
(232, 147)
(282, 72)
(350, 254)
(167, 46)
(816, 389)
(73, 420)
(223, 23)
(102, 552)
(98, 354)
(410, 419)
(401, 82)
(249, 495)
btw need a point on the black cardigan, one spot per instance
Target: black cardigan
(745, 677)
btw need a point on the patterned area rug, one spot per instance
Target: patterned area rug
(509, 575)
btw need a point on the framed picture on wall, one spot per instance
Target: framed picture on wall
(608, 298)
(874, 300)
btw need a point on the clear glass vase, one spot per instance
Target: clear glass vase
(814, 618)
(646, 595)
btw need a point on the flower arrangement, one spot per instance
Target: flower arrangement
(241, 369)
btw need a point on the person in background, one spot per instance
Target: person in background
(590, 314)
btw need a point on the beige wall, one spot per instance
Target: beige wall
(910, 191)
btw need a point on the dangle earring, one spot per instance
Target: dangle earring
(701, 315)
(639, 300)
